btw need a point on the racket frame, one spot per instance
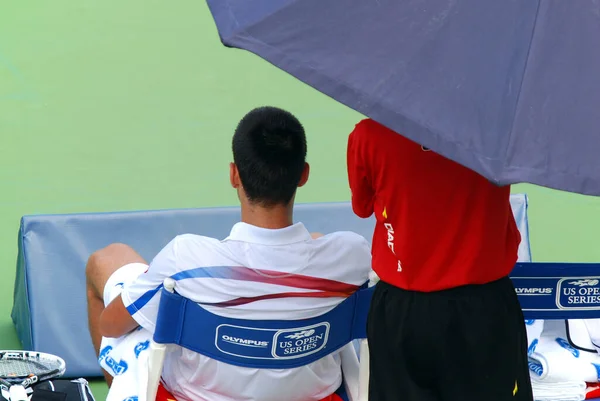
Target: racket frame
(32, 378)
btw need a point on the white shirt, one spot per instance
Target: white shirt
(256, 252)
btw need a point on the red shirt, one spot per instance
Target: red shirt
(439, 225)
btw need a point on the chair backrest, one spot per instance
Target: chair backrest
(267, 344)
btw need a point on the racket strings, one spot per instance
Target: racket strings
(19, 368)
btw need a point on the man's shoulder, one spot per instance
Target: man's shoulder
(344, 255)
(362, 128)
(369, 133)
(188, 242)
(347, 241)
(195, 239)
(349, 236)
(367, 123)
(369, 126)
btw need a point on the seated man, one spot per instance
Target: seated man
(252, 274)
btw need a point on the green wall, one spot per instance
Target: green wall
(113, 105)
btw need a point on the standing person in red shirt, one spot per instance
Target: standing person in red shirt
(445, 322)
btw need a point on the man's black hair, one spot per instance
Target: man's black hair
(269, 150)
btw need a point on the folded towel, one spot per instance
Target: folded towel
(534, 332)
(123, 357)
(563, 391)
(556, 361)
(119, 357)
(572, 335)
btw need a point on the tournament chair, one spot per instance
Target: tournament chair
(184, 323)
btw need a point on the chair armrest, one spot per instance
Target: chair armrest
(363, 382)
(350, 371)
(153, 369)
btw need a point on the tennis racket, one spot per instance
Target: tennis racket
(20, 369)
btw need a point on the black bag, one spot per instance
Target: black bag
(62, 390)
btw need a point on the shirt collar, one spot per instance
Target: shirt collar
(264, 236)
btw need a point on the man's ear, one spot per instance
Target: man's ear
(305, 174)
(234, 176)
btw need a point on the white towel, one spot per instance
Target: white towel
(121, 356)
(564, 391)
(555, 360)
(573, 338)
(534, 332)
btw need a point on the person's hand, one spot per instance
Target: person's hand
(316, 235)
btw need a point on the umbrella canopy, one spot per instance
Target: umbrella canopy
(510, 89)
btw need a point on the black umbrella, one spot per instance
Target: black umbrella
(510, 89)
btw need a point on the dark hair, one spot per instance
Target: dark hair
(269, 150)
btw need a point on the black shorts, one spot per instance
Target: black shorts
(462, 344)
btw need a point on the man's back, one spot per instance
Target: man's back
(439, 224)
(260, 274)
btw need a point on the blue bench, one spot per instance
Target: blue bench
(49, 309)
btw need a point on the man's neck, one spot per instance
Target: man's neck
(275, 217)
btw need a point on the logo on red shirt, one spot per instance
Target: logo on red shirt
(390, 237)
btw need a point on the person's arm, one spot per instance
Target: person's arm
(138, 303)
(115, 321)
(363, 196)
